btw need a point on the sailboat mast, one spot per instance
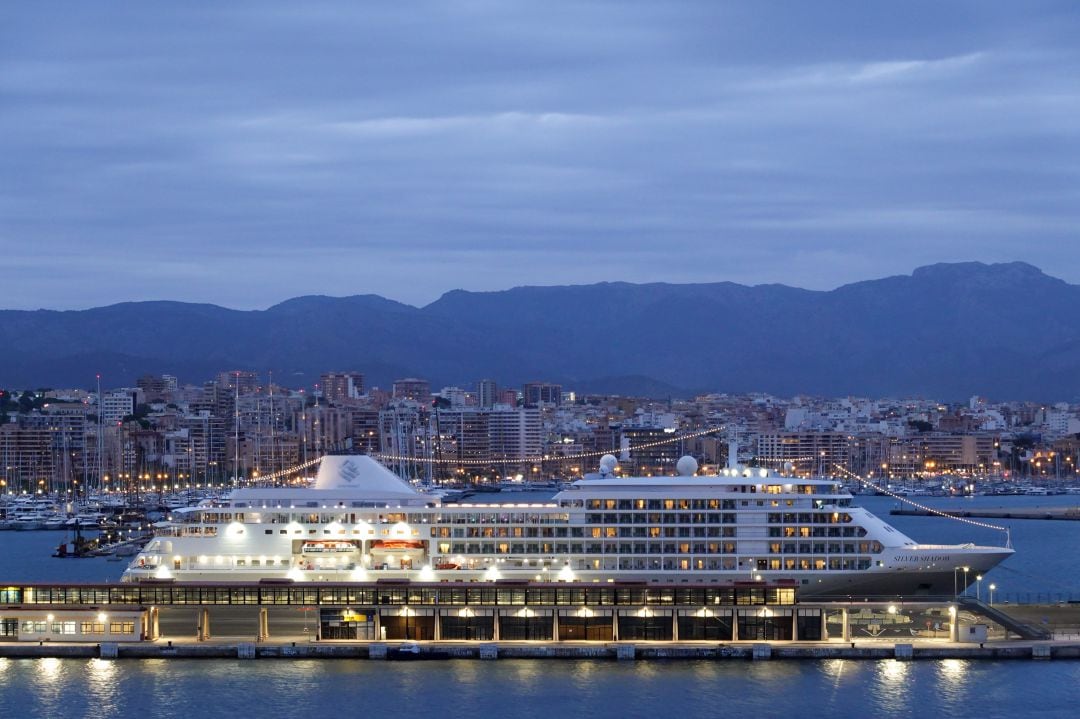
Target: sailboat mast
(236, 430)
(100, 437)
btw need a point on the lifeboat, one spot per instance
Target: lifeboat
(327, 546)
(397, 544)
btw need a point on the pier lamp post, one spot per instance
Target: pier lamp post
(955, 583)
(992, 587)
(965, 580)
(978, 587)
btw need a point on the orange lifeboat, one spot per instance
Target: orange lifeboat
(397, 544)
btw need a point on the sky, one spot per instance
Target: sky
(242, 153)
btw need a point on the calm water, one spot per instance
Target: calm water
(1046, 564)
(516, 688)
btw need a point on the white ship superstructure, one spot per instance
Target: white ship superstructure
(360, 522)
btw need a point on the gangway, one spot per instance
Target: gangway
(1026, 631)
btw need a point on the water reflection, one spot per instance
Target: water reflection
(49, 687)
(510, 688)
(892, 678)
(952, 679)
(102, 684)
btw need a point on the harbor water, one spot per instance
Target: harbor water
(537, 688)
(1045, 569)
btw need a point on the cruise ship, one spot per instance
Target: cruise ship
(360, 522)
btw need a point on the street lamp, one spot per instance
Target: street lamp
(992, 587)
(978, 587)
(956, 570)
(966, 584)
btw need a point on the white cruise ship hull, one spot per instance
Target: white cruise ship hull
(363, 524)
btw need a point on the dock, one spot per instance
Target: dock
(308, 648)
(753, 620)
(1064, 513)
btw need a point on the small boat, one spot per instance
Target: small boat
(79, 547)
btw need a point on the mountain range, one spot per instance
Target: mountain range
(1006, 331)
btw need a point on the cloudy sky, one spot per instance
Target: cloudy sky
(242, 153)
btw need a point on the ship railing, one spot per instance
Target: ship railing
(969, 545)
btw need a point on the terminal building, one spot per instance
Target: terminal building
(446, 611)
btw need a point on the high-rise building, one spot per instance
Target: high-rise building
(337, 387)
(204, 440)
(153, 388)
(647, 451)
(486, 393)
(117, 405)
(364, 429)
(239, 380)
(536, 393)
(814, 453)
(454, 395)
(515, 433)
(322, 429)
(412, 388)
(463, 435)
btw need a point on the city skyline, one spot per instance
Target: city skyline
(245, 154)
(234, 426)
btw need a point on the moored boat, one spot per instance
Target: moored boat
(360, 522)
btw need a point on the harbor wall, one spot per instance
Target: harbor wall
(667, 651)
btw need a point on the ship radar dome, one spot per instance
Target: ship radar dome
(607, 464)
(686, 466)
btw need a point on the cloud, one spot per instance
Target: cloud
(245, 152)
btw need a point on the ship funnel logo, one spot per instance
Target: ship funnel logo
(349, 471)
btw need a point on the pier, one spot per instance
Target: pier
(1066, 513)
(623, 651)
(402, 620)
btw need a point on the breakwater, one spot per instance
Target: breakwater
(1065, 513)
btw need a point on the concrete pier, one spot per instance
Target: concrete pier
(743, 651)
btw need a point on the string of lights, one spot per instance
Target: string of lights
(923, 507)
(536, 459)
(288, 471)
(785, 460)
(486, 462)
